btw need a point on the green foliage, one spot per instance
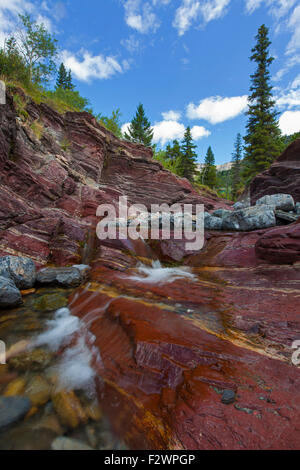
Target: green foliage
(65, 144)
(112, 123)
(37, 128)
(224, 182)
(38, 48)
(186, 161)
(263, 134)
(208, 175)
(140, 130)
(286, 140)
(236, 168)
(169, 158)
(12, 63)
(64, 79)
(71, 98)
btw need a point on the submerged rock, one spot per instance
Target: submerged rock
(252, 218)
(297, 208)
(66, 443)
(68, 407)
(228, 397)
(12, 409)
(38, 391)
(65, 277)
(284, 202)
(21, 270)
(33, 360)
(10, 296)
(49, 302)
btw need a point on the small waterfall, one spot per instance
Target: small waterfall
(157, 274)
(75, 368)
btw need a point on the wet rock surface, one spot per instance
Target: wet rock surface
(10, 296)
(64, 277)
(21, 270)
(12, 409)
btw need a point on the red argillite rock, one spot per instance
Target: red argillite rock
(169, 350)
(280, 245)
(283, 176)
(50, 187)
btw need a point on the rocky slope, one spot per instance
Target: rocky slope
(282, 177)
(51, 184)
(173, 350)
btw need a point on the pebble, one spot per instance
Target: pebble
(12, 409)
(228, 397)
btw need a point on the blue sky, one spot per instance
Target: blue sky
(187, 61)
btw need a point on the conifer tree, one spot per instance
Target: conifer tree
(209, 175)
(236, 167)
(263, 134)
(186, 163)
(69, 81)
(140, 130)
(62, 79)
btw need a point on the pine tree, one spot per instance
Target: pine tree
(140, 130)
(69, 81)
(209, 174)
(236, 167)
(263, 134)
(186, 163)
(62, 79)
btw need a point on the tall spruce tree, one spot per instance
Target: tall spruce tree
(69, 83)
(209, 174)
(186, 162)
(140, 130)
(236, 167)
(62, 78)
(263, 134)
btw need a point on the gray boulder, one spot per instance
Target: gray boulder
(64, 277)
(21, 270)
(221, 213)
(241, 205)
(10, 296)
(211, 222)
(284, 202)
(12, 409)
(251, 218)
(297, 208)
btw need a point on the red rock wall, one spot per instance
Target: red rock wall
(282, 177)
(51, 187)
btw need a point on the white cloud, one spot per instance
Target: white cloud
(131, 44)
(289, 122)
(169, 130)
(190, 12)
(140, 16)
(213, 10)
(290, 97)
(185, 15)
(85, 67)
(164, 131)
(171, 115)
(9, 11)
(294, 25)
(199, 131)
(216, 109)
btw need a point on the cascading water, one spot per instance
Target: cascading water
(157, 274)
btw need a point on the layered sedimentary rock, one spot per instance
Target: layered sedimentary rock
(51, 185)
(170, 349)
(282, 177)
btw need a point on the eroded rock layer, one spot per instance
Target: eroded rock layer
(51, 184)
(169, 350)
(282, 177)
